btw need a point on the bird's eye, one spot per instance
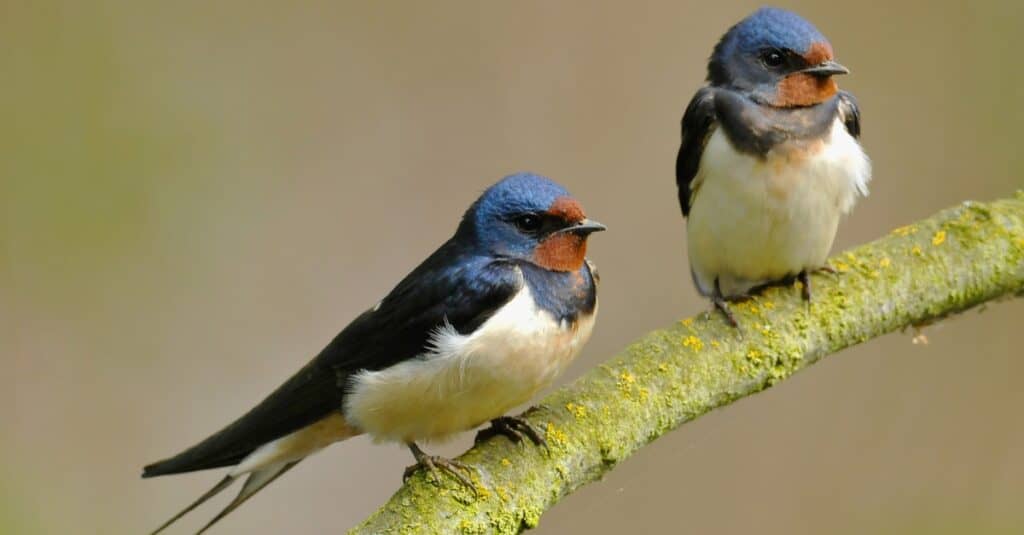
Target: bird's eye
(528, 223)
(772, 58)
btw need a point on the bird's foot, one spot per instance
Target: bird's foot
(828, 269)
(722, 306)
(435, 464)
(514, 428)
(805, 280)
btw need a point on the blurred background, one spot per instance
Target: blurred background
(195, 197)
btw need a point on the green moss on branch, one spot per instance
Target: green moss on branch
(920, 273)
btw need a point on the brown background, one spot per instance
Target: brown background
(195, 198)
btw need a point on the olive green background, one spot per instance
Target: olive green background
(195, 197)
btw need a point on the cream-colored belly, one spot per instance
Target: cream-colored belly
(466, 380)
(758, 220)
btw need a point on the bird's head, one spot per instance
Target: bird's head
(776, 58)
(530, 218)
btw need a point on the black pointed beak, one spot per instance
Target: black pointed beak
(826, 68)
(584, 227)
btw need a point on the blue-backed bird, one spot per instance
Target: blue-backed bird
(488, 319)
(769, 158)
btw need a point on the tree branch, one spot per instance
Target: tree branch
(920, 273)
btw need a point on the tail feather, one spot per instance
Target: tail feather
(264, 464)
(256, 481)
(223, 484)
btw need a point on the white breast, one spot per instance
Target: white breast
(757, 220)
(466, 380)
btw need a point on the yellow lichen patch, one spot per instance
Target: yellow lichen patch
(939, 237)
(840, 266)
(768, 305)
(505, 461)
(915, 250)
(503, 494)
(754, 355)
(749, 306)
(693, 343)
(625, 383)
(688, 322)
(555, 435)
(851, 257)
(905, 231)
(884, 262)
(715, 344)
(562, 471)
(644, 393)
(579, 411)
(662, 367)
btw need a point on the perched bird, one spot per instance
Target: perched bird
(491, 317)
(769, 159)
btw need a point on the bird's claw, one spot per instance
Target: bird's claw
(722, 306)
(514, 428)
(434, 464)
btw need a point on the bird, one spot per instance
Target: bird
(491, 317)
(770, 159)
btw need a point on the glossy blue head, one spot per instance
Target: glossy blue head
(777, 58)
(530, 218)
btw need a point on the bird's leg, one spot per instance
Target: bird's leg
(827, 269)
(514, 428)
(806, 281)
(435, 464)
(722, 305)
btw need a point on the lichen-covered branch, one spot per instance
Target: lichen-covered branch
(955, 260)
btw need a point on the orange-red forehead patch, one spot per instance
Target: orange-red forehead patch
(819, 52)
(568, 209)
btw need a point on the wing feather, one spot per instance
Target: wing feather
(849, 112)
(395, 330)
(698, 122)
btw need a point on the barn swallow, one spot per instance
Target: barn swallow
(491, 317)
(769, 159)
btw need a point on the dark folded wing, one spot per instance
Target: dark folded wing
(395, 330)
(849, 112)
(697, 124)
